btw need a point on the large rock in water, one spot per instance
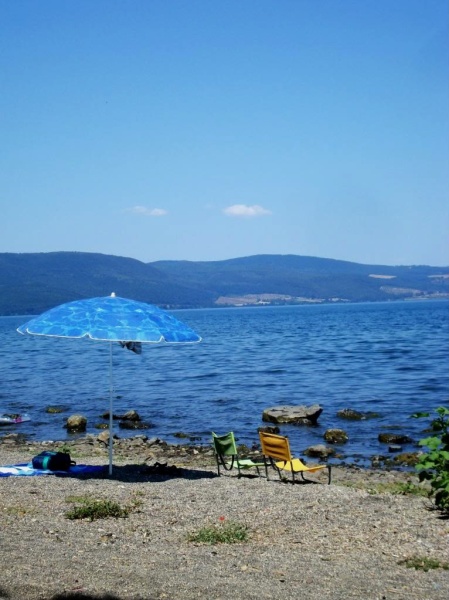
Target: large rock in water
(319, 451)
(336, 436)
(394, 438)
(76, 424)
(297, 415)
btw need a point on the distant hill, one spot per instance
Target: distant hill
(32, 283)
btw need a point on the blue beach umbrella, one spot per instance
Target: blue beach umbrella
(111, 319)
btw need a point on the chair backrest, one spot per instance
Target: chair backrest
(275, 446)
(224, 445)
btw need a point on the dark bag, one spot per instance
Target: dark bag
(53, 461)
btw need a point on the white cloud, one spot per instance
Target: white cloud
(148, 212)
(242, 210)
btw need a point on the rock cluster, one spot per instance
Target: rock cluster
(297, 415)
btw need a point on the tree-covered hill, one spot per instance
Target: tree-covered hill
(32, 283)
(309, 277)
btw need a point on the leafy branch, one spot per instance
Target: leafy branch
(433, 466)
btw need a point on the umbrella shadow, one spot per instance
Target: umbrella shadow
(157, 472)
(141, 473)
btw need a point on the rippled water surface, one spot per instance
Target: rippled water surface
(391, 358)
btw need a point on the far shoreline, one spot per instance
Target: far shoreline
(309, 303)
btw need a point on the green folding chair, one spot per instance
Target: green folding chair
(227, 456)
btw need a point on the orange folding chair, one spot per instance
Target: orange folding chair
(276, 453)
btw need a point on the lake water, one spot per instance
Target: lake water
(391, 358)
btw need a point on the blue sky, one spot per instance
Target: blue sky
(207, 129)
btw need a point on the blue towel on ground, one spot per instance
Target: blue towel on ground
(27, 469)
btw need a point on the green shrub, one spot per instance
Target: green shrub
(433, 465)
(90, 508)
(423, 563)
(408, 489)
(226, 532)
(402, 489)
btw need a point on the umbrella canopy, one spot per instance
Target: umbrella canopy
(111, 319)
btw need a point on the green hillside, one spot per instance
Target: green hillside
(32, 283)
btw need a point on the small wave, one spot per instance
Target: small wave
(430, 387)
(205, 376)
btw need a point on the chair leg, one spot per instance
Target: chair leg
(281, 477)
(218, 465)
(266, 468)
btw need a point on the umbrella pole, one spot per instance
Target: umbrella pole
(110, 408)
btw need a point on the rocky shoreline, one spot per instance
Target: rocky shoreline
(334, 439)
(352, 539)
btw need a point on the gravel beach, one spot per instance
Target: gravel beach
(307, 541)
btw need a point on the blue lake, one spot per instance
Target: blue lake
(391, 358)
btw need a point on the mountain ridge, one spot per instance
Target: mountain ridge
(33, 282)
